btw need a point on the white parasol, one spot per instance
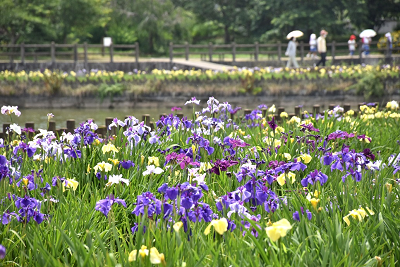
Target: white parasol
(367, 33)
(295, 34)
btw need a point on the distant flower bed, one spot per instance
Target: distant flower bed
(236, 74)
(264, 189)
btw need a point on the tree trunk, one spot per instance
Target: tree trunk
(151, 43)
(227, 35)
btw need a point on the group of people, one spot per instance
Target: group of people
(319, 45)
(315, 45)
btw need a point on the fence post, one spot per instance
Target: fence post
(53, 53)
(388, 54)
(22, 53)
(210, 51)
(85, 55)
(360, 51)
(52, 126)
(137, 54)
(146, 119)
(279, 51)
(346, 107)
(233, 52)
(70, 126)
(171, 51)
(302, 52)
(316, 109)
(186, 50)
(111, 53)
(75, 53)
(257, 50)
(297, 111)
(333, 51)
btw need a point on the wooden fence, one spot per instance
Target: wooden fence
(66, 52)
(104, 131)
(81, 52)
(273, 51)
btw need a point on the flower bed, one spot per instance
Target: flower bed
(206, 191)
(237, 81)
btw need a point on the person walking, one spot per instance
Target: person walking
(321, 43)
(291, 53)
(313, 46)
(366, 41)
(352, 44)
(389, 43)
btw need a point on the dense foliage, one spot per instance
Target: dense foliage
(259, 190)
(155, 23)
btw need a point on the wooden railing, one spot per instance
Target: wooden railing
(273, 51)
(66, 52)
(104, 131)
(257, 51)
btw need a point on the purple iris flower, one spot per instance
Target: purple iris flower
(222, 165)
(309, 127)
(2, 252)
(7, 216)
(272, 124)
(313, 177)
(126, 164)
(3, 160)
(367, 152)
(147, 201)
(296, 216)
(104, 205)
(172, 193)
(309, 215)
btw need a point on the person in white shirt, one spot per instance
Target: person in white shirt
(291, 53)
(313, 46)
(389, 43)
(352, 44)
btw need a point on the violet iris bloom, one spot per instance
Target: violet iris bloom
(104, 205)
(272, 124)
(313, 177)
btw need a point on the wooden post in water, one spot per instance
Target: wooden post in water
(180, 115)
(297, 112)
(333, 52)
(30, 125)
(6, 127)
(52, 126)
(332, 106)
(264, 112)
(346, 107)
(70, 126)
(146, 119)
(163, 115)
(316, 109)
(108, 121)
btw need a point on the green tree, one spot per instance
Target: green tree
(19, 18)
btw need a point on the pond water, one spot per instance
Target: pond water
(39, 116)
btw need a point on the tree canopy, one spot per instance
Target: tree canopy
(155, 23)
